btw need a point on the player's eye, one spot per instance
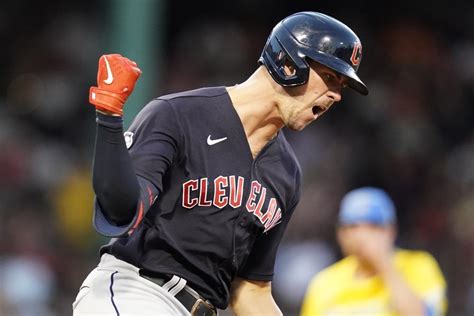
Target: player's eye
(330, 77)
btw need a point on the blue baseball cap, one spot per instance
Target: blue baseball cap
(367, 205)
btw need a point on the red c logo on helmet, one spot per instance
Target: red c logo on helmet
(356, 54)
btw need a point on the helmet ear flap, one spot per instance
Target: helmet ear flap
(285, 69)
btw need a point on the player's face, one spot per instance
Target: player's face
(311, 100)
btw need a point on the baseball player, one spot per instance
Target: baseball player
(375, 278)
(199, 192)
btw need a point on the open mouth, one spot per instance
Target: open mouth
(317, 110)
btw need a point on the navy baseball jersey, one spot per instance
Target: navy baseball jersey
(219, 213)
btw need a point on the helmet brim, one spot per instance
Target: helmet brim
(342, 68)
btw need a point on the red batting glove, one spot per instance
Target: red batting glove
(116, 80)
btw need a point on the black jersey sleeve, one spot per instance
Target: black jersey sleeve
(261, 260)
(153, 141)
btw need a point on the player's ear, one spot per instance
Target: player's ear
(289, 69)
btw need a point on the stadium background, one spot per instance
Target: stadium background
(413, 135)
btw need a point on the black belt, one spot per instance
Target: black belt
(190, 299)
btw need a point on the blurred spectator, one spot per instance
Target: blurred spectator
(375, 277)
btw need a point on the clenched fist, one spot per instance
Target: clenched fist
(116, 80)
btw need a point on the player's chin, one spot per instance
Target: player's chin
(300, 121)
(298, 126)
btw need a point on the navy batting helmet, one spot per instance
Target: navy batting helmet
(318, 37)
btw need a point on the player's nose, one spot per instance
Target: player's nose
(335, 94)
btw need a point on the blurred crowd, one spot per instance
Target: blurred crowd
(413, 136)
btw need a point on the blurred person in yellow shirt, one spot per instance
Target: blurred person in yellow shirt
(375, 277)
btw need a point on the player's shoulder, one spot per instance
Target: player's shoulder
(196, 104)
(415, 263)
(423, 274)
(170, 104)
(409, 256)
(206, 92)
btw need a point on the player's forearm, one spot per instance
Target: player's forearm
(402, 298)
(252, 299)
(257, 306)
(114, 180)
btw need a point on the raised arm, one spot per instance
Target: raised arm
(114, 181)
